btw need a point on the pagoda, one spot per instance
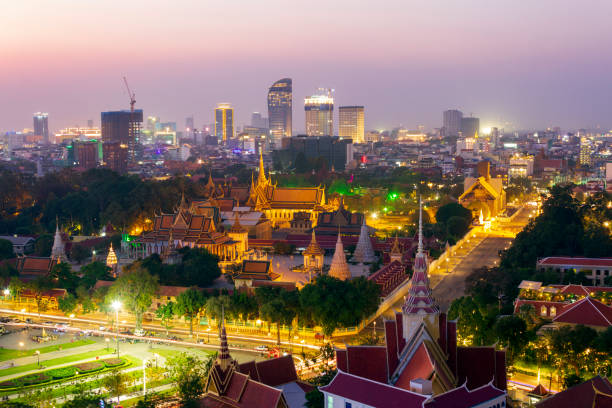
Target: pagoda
(420, 306)
(313, 255)
(111, 260)
(364, 252)
(57, 251)
(339, 268)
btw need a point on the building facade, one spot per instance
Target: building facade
(470, 127)
(280, 110)
(319, 109)
(41, 126)
(115, 156)
(123, 127)
(351, 123)
(452, 122)
(224, 122)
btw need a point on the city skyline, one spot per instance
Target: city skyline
(503, 62)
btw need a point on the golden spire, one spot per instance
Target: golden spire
(261, 178)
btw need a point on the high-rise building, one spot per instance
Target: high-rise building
(86, 154)
(586, 151)
(224, 122)
(90, 123)
(452, 122)
(351, 124)
(115, 156)
(320, 113)
(280, 110)
(41, 126)
(124, 127)
(470, 127)
(259, 121)
(189, 124)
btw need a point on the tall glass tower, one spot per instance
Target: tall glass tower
(280, 101)
(320, 113)
(224, 122)
(41, 126)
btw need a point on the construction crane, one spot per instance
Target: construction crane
(130, 94)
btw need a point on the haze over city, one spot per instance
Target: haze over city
(516, 65)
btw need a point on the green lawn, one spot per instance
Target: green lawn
(54, 361)
(170, 353)
(10, 354)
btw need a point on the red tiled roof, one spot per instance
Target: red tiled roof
(420, 366)
(274, 372)
(537, 305)
(461, 397)
(581, 290)
(368, 362)
(242, 392)
(539, 390)
(371, 392)
(554, 260)
(587, 311)
(475, 374)
(582, 395)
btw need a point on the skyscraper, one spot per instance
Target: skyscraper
(320, 113)
(351, 123)
(470, 127)
(41, 126)
(224, 122)
(122, 126)
(452, 122)
(258, 121)
(280, 110)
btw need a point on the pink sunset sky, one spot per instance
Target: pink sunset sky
(518, 64)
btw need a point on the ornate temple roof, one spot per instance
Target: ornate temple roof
(364, 251)
(313, 247)
(420, 299)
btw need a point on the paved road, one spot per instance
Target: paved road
(453, 285)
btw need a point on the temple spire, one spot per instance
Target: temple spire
(364, 252)
(223, 358)
(261, 177)
(57, 251)
(339, 268)
(420, 248)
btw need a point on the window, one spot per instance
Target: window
(543, 311)
(330, 401)
(348, 405)
(553, 311)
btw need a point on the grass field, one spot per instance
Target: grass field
(10, 354)
(170, 353)
(54, 362)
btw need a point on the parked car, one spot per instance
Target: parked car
(261, 348)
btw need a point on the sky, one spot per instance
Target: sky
(517, 64)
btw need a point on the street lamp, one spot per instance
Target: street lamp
(106, 340)
(20, 347)
(302, 341)
(38, 358)
(6, 292)
(117, 305)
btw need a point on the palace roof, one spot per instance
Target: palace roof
(462, 397)
(372, 393)
(589, 262)
(596, 392)
(33, 265)
(587, 311)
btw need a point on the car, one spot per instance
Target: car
(5, 319)
(139, 332)
(102, 328)
(261, 348)
(28, 320)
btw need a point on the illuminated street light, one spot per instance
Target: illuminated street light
(38, 358)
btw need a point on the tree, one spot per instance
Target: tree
(16, 286)
(189, 373)
(569, 342)
(511, 331)
(215, 306)
(457, 226)
(198, 267)
(272, 312)
(93, 272)
(604, 341)
(64, 277)
(39, 287)
(43, 245)
(85, 299)
(188, 305)
(67, 303)
(447, 211)
(6, 249)
(84, 401)
(116, 383)
(166, 313)
(570, 380)
(79, 253)
(135, 288)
